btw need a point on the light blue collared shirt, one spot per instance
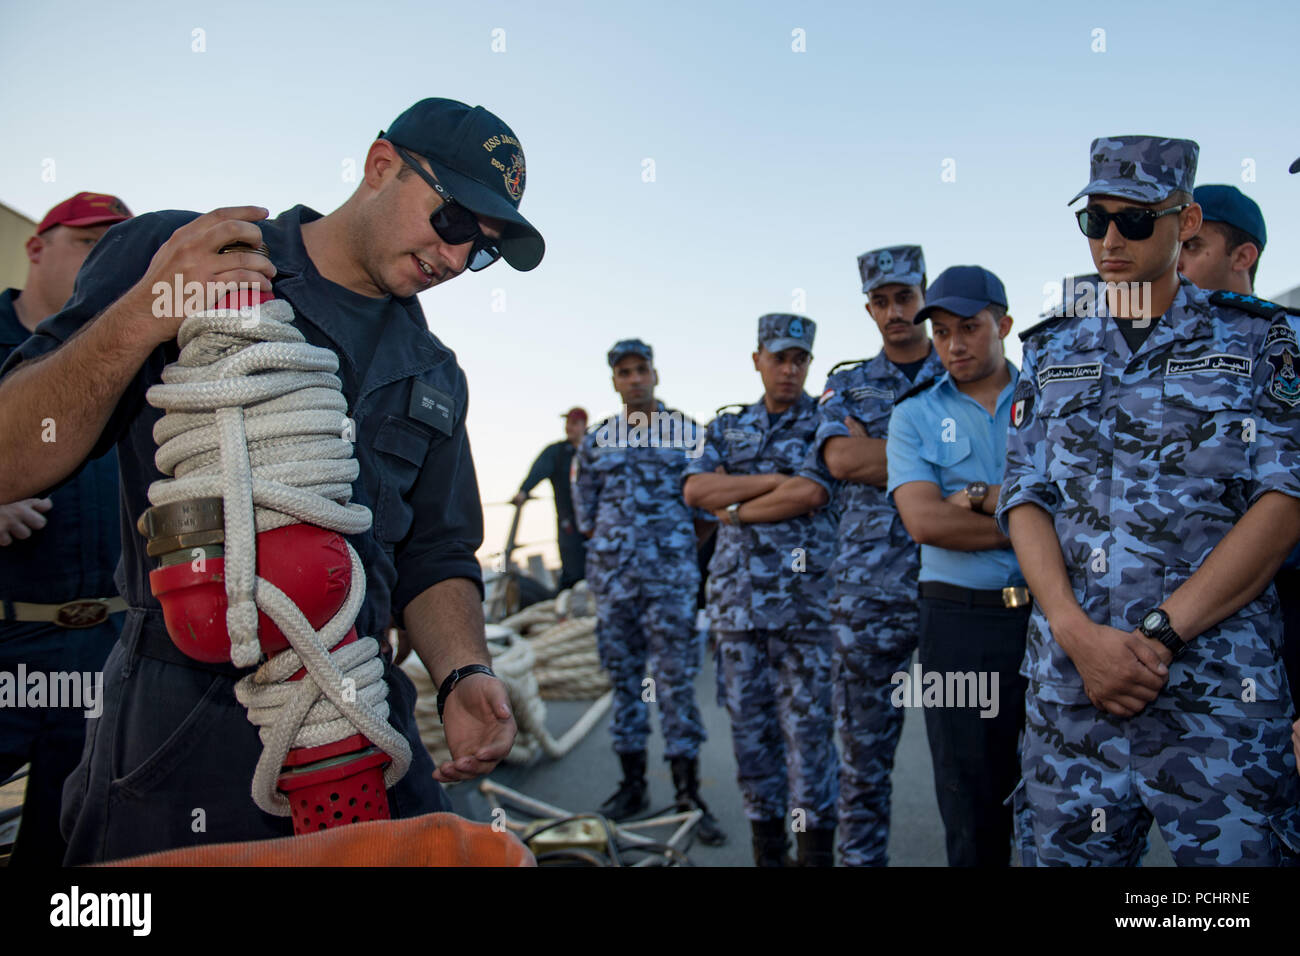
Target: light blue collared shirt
(947, 438)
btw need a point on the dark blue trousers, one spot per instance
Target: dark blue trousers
(50, 738)
(573, 557)
(170, 762)
(976, 761)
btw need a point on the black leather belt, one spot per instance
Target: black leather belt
(999, 597)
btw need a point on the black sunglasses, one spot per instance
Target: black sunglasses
(1132, 223)
(454, 224)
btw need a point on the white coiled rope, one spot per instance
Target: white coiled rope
(256, 416)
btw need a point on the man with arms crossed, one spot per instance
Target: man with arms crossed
(873, 602)
(947, 445)
(768, 591)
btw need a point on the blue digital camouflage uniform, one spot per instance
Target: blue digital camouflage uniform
(873, 608)
(1145, 461)
(768, 594)
(642, 570)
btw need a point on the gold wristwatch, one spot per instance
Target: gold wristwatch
(976, 492)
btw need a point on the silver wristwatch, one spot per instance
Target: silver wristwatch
(733, 513)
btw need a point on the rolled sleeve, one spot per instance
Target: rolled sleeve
(832, 410)
(447, 529)
(1024, 479)
(903, 451)
(814, 469)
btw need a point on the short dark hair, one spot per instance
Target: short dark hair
(997, 311)
(1180, 196)
(404, 170)
(1233, 238)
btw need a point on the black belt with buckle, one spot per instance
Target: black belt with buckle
(999, 597)
(73, 615)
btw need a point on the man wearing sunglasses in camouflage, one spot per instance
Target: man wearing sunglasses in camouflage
(439, 194)
(1152, 489)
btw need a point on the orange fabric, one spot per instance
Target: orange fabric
(435, 839)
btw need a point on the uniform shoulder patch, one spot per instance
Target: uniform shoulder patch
(1279, 332)
(1043, 325)
(845, 364)
(916, 389)
(1248, 303)
(735, 409)
(1284, 384)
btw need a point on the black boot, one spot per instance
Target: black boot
(687, 787)
(770, 843)
(816, 847)
(630, 798)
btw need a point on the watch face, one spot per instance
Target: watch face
(1151, 621)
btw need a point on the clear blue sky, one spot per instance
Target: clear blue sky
(773, 168)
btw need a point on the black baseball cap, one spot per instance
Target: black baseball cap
(480, 162)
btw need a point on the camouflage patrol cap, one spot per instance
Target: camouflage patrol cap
(902, 264)
(1142, 168)
(629, 347)
(780, 330)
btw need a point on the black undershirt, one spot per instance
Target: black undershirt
(910, 369)
(1135, 331)
(365, 317)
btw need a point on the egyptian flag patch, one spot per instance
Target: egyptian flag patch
(826, 396)
(1020, 411)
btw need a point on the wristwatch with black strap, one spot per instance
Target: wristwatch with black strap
(1155, 625)
(455, 678)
